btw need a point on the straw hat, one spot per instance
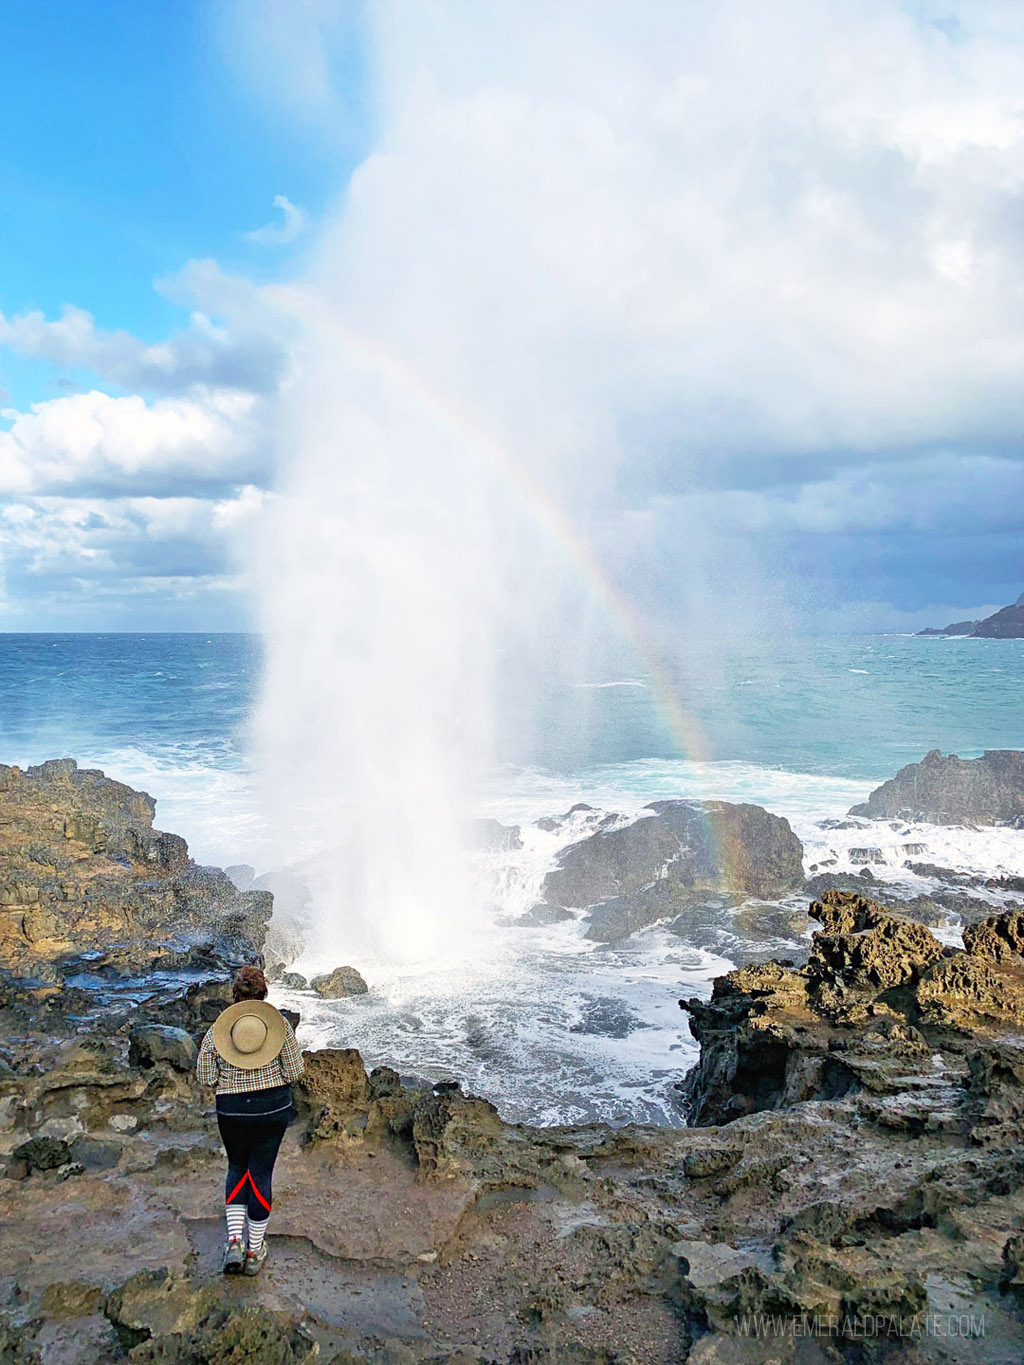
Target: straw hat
(249, 1034)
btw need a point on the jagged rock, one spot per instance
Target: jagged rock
(995, 1089)
(972, 994)
(953, 791)
(85, 878)
(39, 1154)
(151, 1043)
(1000, 937)
(342, 982)
(156, 1303)
(455, 1134)
(864, 948)
(230, 1336)
(771, 1036)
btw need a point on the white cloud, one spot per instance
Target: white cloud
(98, 442)
(293, 223)
(238, 337)
(781, 230)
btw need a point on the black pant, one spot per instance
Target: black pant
(252, 1145)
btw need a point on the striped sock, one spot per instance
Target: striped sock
(235, 1215)
(256, 1231)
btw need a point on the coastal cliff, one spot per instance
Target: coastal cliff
(1005, 624)
(851, 1187)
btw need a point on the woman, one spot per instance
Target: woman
(251, 1056)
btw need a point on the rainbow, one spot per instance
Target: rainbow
(537, 502)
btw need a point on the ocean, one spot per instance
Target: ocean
(551, 1027)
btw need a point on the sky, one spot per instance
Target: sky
(743, 292)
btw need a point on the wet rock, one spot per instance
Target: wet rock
(152, 1043)
(342, 982)
(545, 914)
(229, 1336)
(866, 855)
(673, 859)
(38, 1154)
(155, 1302)
(947, 790)
(772, 1036)
(699, 846)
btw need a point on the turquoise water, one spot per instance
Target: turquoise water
(849, 706)
(170, 712)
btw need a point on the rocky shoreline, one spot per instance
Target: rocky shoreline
(850, 1187)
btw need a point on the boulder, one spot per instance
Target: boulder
(152, 1043)
(333, 1092)
(947, 790)
(673, 859)
(342, 982)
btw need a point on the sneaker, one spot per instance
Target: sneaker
(234, 1257)
(254, 1260)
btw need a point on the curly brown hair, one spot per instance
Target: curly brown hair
(249, 984)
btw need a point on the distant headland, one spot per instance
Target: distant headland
(1005, 624)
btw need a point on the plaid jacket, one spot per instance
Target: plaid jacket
(212, 1069)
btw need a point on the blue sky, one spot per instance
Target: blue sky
(764, 274)
(132, 145)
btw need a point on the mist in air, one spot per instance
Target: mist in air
(577, 284)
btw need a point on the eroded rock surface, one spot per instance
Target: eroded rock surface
(856, 1162)
(87, 883)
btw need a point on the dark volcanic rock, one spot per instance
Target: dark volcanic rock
(672, 859)
(152, 1043)
(876, 996)
(954, 791)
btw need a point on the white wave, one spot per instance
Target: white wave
(619, 682)
(523, 795)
